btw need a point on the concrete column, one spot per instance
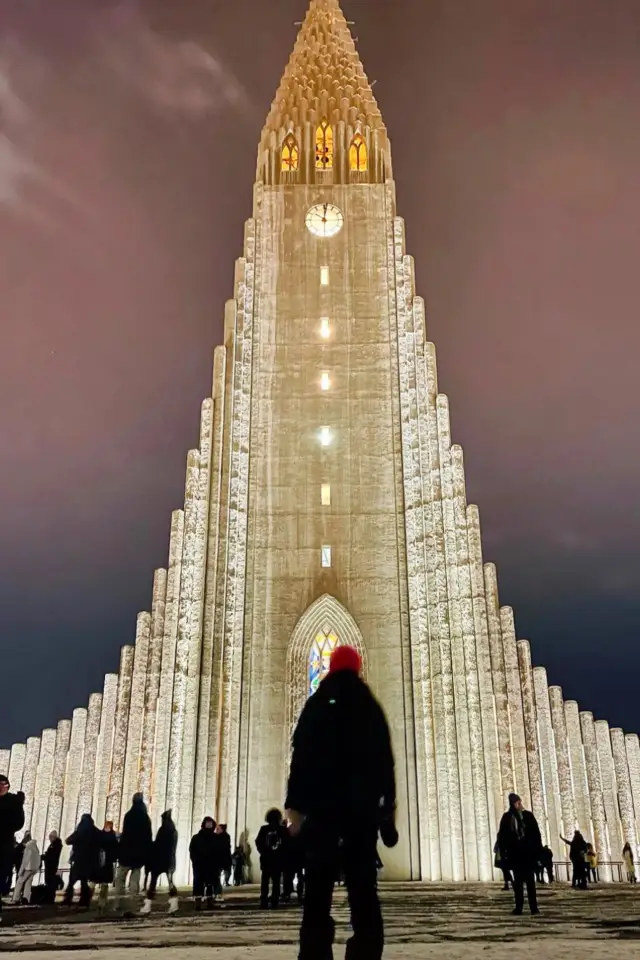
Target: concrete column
(29, 777)
(73, 778)
(632, 744)
(464, 839)
(548, 758)
(499, 678)
(578, 768)
(136, 709)
(625, 795)
(598, 816)
(16, 766)
(165, 698)
(489, 726)
(88, 774)
(105, 748)
(43, 786)
(5, 759)
(58, 777)
(117, 804)
(523, 650)
(152, 690)
(609, 788)
(565, 781)
(516, 711)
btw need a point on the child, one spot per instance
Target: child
(238, 862)
(270, 845)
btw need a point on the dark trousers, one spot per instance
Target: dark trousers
(203, 886)
(270, 884)
(85, 889)
(507, 877)
(153, 883)
(322, 857)
(579, 878)
(6, 872)
(521, 877)
(51, 885)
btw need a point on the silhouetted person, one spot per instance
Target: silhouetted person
(11, 820)
(577, 855)
(341, 788)
(134, 851)
(546, 862)
(51, 862)
(627, 856)
(203, 851)
(270, 844)
(107, 859)
(520, 850)
(163, 862)
(224, 846)
(85, 859)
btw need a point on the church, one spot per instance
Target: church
(325, 504)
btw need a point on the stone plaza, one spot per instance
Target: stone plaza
(423, 922)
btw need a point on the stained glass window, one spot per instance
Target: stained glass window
(324, 147)
(323, 646)
(358, 154)
(290, 154)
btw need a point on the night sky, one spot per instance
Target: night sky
(128, 137)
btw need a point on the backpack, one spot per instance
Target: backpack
(273, 840)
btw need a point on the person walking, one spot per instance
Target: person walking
(134, 852)
(163, 863)
(203, 851)
(11, 820)
(627, 856)
(85, 860)
(28, 869)
(51, 862)
(520, 849)
(577, 855)
(270, 844)
(341, 791)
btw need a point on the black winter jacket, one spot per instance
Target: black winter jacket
(204, 851)
(520, 849)
(11, 820)
(342, 763)
(163, 856)
(85, 842)
(107, 857)
(271, 845)
(134, 848)
(51, 857)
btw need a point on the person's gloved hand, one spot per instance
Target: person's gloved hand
(389, 833)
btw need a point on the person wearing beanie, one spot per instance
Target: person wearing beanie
(520, 845)
(11, 820)
(341, 793)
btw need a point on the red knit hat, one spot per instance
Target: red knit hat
(345, 658)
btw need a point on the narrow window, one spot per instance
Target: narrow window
(325, 436)
(325, 382)
(320, 657)
(326, 557)
(325, 329)
(324, 146)
(324, 276)
(326, 494)
(290, 154)
(358, 159)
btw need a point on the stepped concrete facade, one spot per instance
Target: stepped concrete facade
(326, 504)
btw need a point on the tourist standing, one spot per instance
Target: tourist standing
(11, 820)
(107, 859)
(85, 860)
(270, 844)
(203, 851)
(238, 860)
(28, 868)
(134, 852)
(578, 854)
(341, 788)
(592, 864)
(224, 842)
(546, 862)
(163, 863)
(51, 862)
(627, 856)
(520, 849)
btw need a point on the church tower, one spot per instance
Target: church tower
(324, 505)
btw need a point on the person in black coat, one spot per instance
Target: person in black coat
(108, 857)
(163, 862)
(520, 845)
(11, 820)
(204, 851)
(85, 859)
(270, 844)
(224, 843)
(578, 847)
(134, 849)
(342, 791)
(51, 862)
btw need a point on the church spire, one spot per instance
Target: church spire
(324, 80)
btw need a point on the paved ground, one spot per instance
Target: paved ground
(423, 923)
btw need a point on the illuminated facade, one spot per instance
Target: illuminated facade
(326, 504)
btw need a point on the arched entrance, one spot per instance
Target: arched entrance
(325, 625)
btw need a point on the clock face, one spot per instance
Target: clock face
(324, 220)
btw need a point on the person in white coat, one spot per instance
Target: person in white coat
(28, 869)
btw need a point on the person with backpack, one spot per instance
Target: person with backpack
(204, 850)
(270, 844)
(163, 861)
